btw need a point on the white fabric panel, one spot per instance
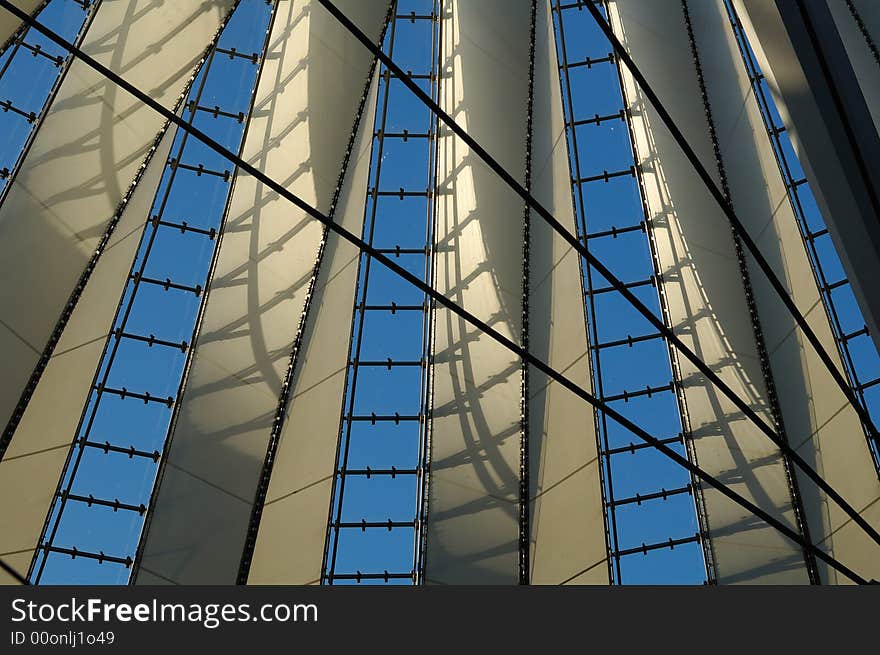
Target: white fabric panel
(701, 279)
(566, 515)
(307, 100)
(473, 505)
(820, 424)
(81, 163)
(294, 516)
(864, 64)
(33, 463)
(9, 23)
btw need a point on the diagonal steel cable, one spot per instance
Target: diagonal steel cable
(736, 224)
(615, 282)
(15, 574)
(439, 297)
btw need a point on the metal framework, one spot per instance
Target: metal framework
(705, 177)
(681, 348)
(126, 375)
(524, 513)
(376, 506)
(762, 263)
(651, 507)
(141, 373)
(37, 66)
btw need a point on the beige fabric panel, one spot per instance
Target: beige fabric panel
(307, 101)
(566, 515)
(19, 562)
(473, 504)
(295, 513)
(32, 466)
(820, 424)
(705, 297)
(826, 432)
(9, 23)
(81, 163)
(864, 64)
